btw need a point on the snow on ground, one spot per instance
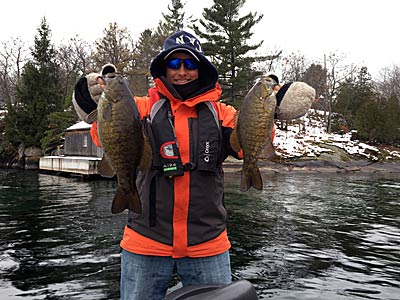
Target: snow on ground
(306, 137)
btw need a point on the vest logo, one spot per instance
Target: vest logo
(207, 152)
(167, 150)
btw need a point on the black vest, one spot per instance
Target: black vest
(205, 140)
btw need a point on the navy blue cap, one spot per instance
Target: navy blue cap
(182, 41)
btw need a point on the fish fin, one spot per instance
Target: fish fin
(105, 169)
(234, 140)
(268, 151)
(146, 157)
(92, 116)
(107, 112)
(251, 180)
(126, 199)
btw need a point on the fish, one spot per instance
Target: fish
(124, 143)
(252, 133)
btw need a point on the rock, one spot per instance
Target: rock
(33, 151)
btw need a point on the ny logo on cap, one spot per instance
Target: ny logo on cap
(185, 39)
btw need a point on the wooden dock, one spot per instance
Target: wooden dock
(70, 164)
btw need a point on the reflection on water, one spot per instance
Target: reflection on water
(302, 237)
(58, 238)
(318, 237)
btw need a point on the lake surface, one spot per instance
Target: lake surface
(305, 236)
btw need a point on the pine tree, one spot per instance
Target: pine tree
(151, 43)
(226, 34)
(173, 21)
(391, 123)
(114, 47)
(38, 94)
(145, 50)
(352, 94)
(369, 121)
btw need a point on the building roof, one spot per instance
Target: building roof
(79, 126)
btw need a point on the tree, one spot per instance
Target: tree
(139, 69)
(173, 21)
(353, 93)
(337, 72)
(346, 92)
(114, 47)
(226, 34)
(390, 131)
(54, 134)
(369, 121)
(151, 43)
(293, 66)
(13, 56)
(389, 83)
(315, 75)
(358, 102)
(38, 94)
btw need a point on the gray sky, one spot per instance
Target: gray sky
(362, 30)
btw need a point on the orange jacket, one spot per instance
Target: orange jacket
(179, 226)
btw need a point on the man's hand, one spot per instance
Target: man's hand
(94, 85)
(87, 92)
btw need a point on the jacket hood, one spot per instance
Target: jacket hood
(186, 42)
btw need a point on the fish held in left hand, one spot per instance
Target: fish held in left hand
(124, 143)
(253, 131)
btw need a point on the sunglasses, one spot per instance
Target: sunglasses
(175, 63)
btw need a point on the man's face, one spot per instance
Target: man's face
(180, 74)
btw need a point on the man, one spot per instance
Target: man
(183, 223)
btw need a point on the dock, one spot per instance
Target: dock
(70, 164)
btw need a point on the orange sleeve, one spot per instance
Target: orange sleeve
(95, 135)
(143, 105)
(226, 114)
(273, 134)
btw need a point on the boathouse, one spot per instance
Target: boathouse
(80, 155)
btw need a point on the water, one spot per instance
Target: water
(326, 236)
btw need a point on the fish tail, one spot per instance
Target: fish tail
(251, 179)
(126, 199)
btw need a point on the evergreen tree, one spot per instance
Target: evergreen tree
(151, 43)
(369, 121)
(173, 21)
(343, 103)
(145, 50)
(353, 93)
(390, 132)
(38, 94)
(54, 135)
(226, 34)
(315, 75)
(114, 47)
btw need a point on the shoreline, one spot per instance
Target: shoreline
(309, 166)
(317, 166)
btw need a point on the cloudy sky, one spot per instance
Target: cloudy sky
(364, 31)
